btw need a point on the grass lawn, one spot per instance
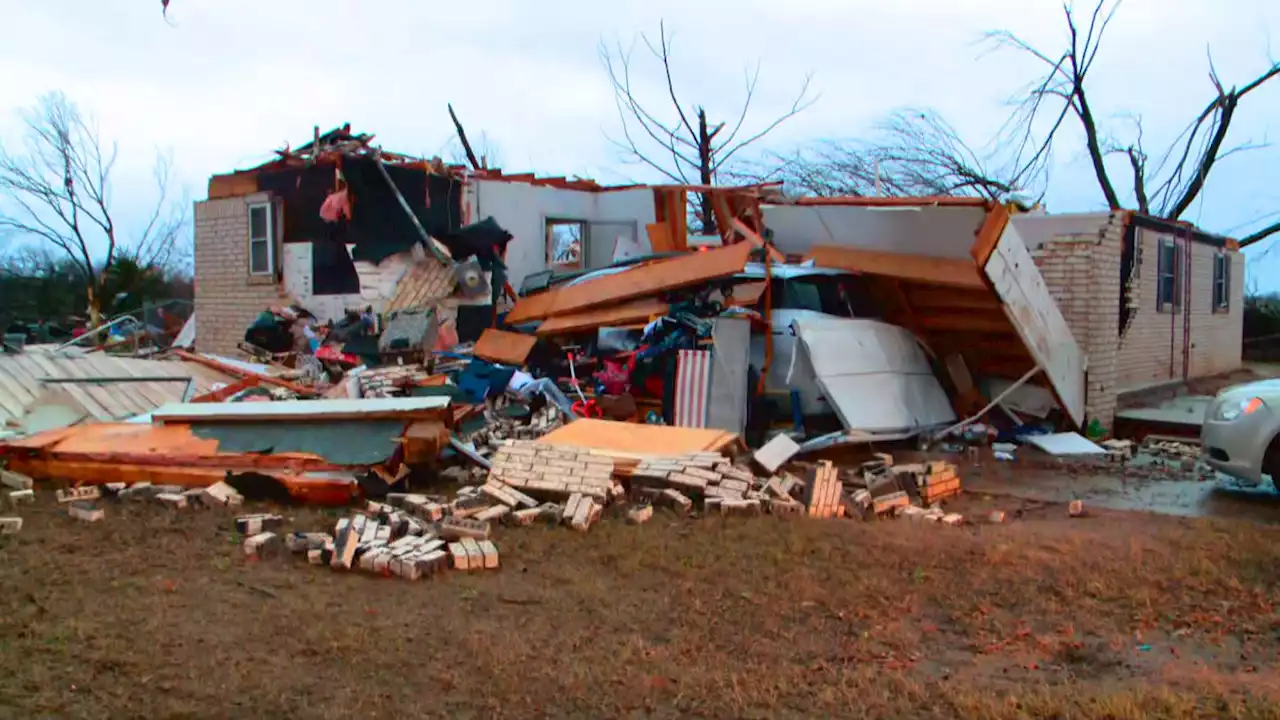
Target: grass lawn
(157, 614)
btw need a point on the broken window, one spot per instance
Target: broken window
(262, 248)
(1221, 282)
(1169, 276)
(565, 243)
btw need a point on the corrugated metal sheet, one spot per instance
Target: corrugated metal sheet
(21, 386)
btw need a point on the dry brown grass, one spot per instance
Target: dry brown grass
(1120, 616)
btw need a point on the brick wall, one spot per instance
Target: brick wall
(1082, 272)
(227, 299)
(1151, 347)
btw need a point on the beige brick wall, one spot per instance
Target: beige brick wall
(1082, 272)
(227, 299)
(1151, 349)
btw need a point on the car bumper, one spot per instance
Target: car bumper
(1237, 447)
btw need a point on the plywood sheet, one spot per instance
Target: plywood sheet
(938, 272)
(626, 439)
(635, 282)
(504, 347)
(637, 311)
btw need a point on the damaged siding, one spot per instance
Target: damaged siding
(227, 299)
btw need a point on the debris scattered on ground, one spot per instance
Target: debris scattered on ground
(1076, 508)
(21, 497)
(16, 481)
(85, 512)
(10, 525)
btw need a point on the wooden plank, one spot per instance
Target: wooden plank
(939, 272)
(993, 226)
(636, 282)
(504, 347)
(1039, 323)
(965, 322)
(660, 240)
(923, 297)
(633, 312)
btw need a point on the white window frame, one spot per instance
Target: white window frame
(1221, 262)
(1171, 304)
(584, 228)
(270, 239)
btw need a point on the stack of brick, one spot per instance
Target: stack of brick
(881, 488)
(823, 492)
(391, 381)
(415, 538)
(500, 426)
(555, 473)
(724, 488)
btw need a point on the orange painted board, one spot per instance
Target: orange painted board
(504, 347)
(636, 282)
(941, 272)
(660, 240)
(993, 226)
(625, 439)
(747, 294)
(625, 314)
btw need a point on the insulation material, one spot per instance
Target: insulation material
(729, 364)
(875, 375)
(693, 388)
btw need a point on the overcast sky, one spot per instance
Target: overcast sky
(228, 81)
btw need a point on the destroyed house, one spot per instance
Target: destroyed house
(1104, 303)
(320, 226)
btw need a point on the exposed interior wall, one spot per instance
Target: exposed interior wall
(1152, 347)
(1079, 258)
(377, 282)
(227, 298)
(945, 232)
(523, 209)
(1036, 229)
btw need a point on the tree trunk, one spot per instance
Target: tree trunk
(704, 173)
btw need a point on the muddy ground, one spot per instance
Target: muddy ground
(1119, 615)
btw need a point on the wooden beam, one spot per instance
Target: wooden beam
(938, 272)
(967, 323)
(993, 226)
(924, 297)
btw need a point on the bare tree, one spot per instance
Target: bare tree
(57, 190)
(1165, 188)
(681, 142)
(914, 152)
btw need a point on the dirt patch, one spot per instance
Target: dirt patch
(1118, 615)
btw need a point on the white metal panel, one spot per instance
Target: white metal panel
(1036, 317)
(875, 375)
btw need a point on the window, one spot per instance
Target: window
(565, 244)
(1221, 282)
(1169, 276)
(262, 245)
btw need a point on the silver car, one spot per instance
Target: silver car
(1240, 430)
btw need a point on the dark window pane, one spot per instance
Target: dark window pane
(258, 222)
(258, 261)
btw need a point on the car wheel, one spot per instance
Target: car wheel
(1271, 461)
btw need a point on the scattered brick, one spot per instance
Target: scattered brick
(22, 497)
(458, 528)
(85, 512)
(15, 481)
(1076, 508)
(254, 524)
(78, 494)
(221, 493)
(640, 515)
(172, 500)
(676, 500)
(10, 525)
(262, 545)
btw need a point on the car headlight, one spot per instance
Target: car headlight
(1232, 409)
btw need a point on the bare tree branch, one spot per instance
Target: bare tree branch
(57, 191)
(462, 137)
(688, 145)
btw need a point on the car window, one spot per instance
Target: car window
(815, 293)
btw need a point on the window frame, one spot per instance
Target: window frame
(1221, 281)
(584, 229)
(1169, 304)
(268, 208)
